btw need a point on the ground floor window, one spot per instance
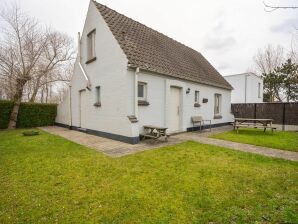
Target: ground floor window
(142, 91)
(97, 96)
(217, 104)
(197, 96)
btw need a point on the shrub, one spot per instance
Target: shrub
(5, 110)
(30, 114)
(30, 133)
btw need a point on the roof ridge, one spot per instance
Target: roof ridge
(146, 26)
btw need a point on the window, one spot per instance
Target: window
(142, 91)
(91, 46)
(197, 96)
(217, 104)
(259, 90)
(97, 96)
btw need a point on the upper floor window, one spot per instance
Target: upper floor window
(142, 91)
(91, 56)
(217, 104)
(259, 90)
(197, 96)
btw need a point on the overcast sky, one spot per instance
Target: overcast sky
(227, 33)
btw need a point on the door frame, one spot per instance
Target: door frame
(180, 107)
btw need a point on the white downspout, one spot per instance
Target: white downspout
(88, 86)
(245, 89)
(136, 108)
(70, 110)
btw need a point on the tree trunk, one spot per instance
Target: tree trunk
(14, 114)
(17, 102)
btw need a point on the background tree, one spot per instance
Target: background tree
(31, 57)
(266, 61)
(288, 72)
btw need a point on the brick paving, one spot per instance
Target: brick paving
(114, 148)
(109, 147)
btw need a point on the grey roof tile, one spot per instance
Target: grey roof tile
(153, 51)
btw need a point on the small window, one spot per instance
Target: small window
(142, 91)
(97, 96)
(91, 45)
(217, 104)
(197, 96)
(259, 90)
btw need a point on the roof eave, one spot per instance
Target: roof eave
(132, 66)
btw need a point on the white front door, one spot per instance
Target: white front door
(175, 109)
(83, 109)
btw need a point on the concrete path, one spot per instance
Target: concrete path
(109, 147)
(117, 149)
(283, 154)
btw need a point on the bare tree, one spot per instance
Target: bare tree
(57, 53)
(266, 61)
(293, 54)
(20, 51)
(30, 57)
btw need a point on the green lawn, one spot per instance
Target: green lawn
(47, 179)
(278, 140)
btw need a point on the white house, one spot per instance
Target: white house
(128, 75)
(248, 88)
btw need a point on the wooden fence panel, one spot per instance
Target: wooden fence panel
(291, 117)
(281, 113)
(270, 111)
(243, 110)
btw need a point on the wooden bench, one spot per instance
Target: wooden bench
(154, 132)
(197, 121)
(253, 123)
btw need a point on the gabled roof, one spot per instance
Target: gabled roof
(152, 51)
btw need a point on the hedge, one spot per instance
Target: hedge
(30, 114)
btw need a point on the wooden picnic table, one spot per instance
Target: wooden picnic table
(155, 132)
(254, 123)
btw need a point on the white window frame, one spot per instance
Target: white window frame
(144, 85)
(259, 90)
(91, 54)
(197, 96)
(97, 95)
(217, 99)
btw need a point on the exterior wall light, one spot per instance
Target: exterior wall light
(188, 91)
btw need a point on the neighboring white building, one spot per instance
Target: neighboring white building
(128, 75)
(248, 88)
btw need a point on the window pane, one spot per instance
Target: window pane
(217, 104)
(98, 94)
(197, 94)
(141, 91)
(93, 45)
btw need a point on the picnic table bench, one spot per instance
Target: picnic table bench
(253, 123)
(154, 132)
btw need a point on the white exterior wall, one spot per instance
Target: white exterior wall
(118, 86)
(238, 82)
(158, 95)
(109, 71)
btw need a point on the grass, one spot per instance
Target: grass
(278, 140)
(47, 179)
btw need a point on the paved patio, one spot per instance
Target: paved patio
(114, 148)
(109, 147)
